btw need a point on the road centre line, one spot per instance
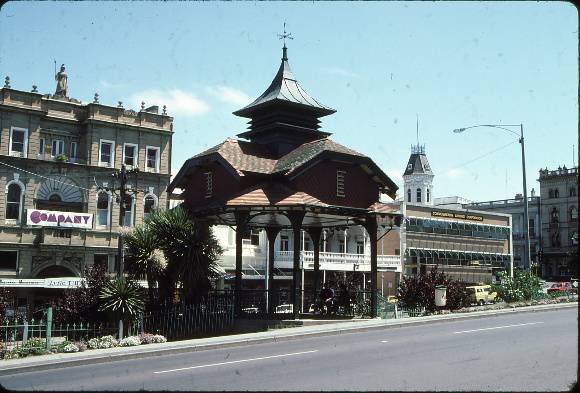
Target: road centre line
(497, 327)
(235, 361)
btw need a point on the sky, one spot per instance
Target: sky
(381, 65)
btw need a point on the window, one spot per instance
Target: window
(409, 167)
(428, 195)
(556, 193)
(149, 205)
(107, 153)
(574, 238)
(573, 214)
(13, 201)
(208, 184)
(284, 243)
(101, 260)
(41, 148)
(152, 164)
(252, 236)
(418, 195)
(341, 246)
(573, 191)
(73, 151)
(340, 183)
(102, 209)
(18, 142)
(531, 228)
(8, 260)
(550, 193)
(130, 152)
(57, 148)
(128, 217)
(556, 239)
(409, 195)
(360, 247)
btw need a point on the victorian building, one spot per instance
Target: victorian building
(559, 218)
(59, 212)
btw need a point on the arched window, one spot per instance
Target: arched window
(13, 201)
(129, 217)
(573, 214)
(103, 205)
(556, 193)
(428, 195)
(150, 203)
(418, 195)
(555, 215)
(409, 195)
(550, 193)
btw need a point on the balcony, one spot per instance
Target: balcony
(337, 261)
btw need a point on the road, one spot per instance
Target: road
(520, 351)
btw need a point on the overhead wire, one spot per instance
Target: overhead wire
(484, 155)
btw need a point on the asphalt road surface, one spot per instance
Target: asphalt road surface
(520, 351)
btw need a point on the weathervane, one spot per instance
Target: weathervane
(285, 35)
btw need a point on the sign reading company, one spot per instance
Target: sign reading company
(462, 216)
(49, 218)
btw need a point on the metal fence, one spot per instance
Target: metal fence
(212, 315)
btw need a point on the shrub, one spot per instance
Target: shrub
(146, 338)
(81, 345)
(158, 338)
(103, 342)
(130, 341)
(70, 348)
(523, 286)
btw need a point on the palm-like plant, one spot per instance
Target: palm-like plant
(143, 256)
(122, 296)
(190, 249)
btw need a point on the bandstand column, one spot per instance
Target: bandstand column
(241, 227)
(272, 233)
(371, 227)
(295, 218)
(315, 236)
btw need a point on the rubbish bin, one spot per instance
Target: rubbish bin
(440, 295)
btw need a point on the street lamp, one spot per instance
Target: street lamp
(521, 140)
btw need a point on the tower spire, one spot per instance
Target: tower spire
(283, 37)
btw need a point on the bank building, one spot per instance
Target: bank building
(58, 210)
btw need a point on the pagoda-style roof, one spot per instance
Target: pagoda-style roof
(418, 163)
(285, 89)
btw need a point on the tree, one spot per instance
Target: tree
(190, 249)
(144, 258)
(82, 304)
(124, 297)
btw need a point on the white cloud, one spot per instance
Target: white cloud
(178, 102)
(339, 71)
(230, 95)
(455, 172)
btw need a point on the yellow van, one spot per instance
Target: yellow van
(481, 294)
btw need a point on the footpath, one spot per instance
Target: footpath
(94, 356)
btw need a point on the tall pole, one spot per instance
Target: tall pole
(526, 220)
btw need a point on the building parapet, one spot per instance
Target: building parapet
(503, 202)
(561, 171)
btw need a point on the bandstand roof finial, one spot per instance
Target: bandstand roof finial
(283, 37)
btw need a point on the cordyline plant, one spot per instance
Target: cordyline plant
(124, 297)
(419, 291)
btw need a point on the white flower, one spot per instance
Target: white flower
(158, 338)
(130, 341)
(70, 348)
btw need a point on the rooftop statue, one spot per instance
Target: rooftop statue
(61, 82)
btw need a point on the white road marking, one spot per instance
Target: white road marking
(384, 341)
(235, 361)
(497, 327)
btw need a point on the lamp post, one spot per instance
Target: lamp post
(526, 263)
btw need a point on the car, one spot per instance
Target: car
(481, 294)
(392, 299)
(562, 287)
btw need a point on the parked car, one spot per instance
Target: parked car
(562, 287)
(481, 294)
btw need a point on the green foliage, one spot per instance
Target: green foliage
(419, 291)
(523, 286)
(556, 294)
(124, 297)
(191, 251)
